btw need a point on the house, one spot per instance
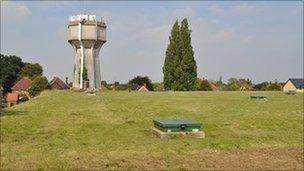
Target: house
(142, 88)
(294, 84)
(12, 99)
(58, 84)
(22, 86)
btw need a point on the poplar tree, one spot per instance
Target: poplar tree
(173, 56)
(188, 63)
(180, 67)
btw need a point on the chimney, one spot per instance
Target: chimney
(67, 80)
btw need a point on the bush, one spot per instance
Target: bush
(261, 86)
(39, 83)
(274, 87)
(142, 81)
(121, 87)
(23, 96)
(202, 85)
(233, 87)
(158, 87)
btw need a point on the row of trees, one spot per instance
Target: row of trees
(233, 84)
(13, 69)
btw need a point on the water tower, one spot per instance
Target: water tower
(86, 34)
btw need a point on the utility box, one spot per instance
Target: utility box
(171, 127)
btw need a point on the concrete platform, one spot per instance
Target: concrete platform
(168, 135)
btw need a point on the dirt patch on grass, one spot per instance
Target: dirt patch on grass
(252, 159)
(249, 159)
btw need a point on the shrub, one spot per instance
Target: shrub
(158, 87)
(39, 83)
(142, 81)
(202, 85)
(274, 87)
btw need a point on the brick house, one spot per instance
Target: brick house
(58, 84)
(12, 99)
(22, 86)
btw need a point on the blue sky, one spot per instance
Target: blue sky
(256, 40)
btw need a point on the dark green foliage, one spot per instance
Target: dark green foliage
(10, 66)
(158, 87)
(202, 85)
(121, 87)
(233, 87)
(188, 64)
(205, 86)
(104, 83)
(31, 71)
(274, 87)
(235, 84)
(85, 73)
(173, 58)
(261, 86)
(39, 83)
(180, 70)
(139, 80)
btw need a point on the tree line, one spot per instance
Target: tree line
(12, 69)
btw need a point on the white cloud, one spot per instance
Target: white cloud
(13, 10)
(184, 13)
(243, 9)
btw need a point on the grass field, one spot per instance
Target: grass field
(112, 130)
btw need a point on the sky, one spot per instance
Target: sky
(259, 40)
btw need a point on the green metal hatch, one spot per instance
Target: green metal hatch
(175, 125)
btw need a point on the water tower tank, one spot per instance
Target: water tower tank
(86, 34)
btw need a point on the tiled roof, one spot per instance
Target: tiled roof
(23, 84)
(12, 97)
(59, 82)
(297, 82)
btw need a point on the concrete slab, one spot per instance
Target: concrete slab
(168, 135)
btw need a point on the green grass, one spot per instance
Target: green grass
(66, 130)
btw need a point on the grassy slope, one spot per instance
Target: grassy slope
(64, 129)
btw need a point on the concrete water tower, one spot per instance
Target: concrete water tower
(86, 34)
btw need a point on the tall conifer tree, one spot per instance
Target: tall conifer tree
(188, 62)
(173, 56)
(180, 67)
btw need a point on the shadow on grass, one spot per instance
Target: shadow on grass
(12, 112)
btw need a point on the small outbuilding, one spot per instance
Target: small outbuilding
(294, 84)
(58, 84)
(12, 99)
